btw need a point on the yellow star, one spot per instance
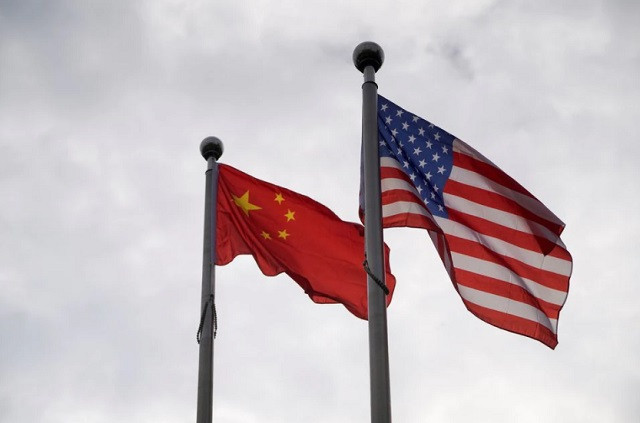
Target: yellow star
(279, 198)
(283, 234)
(265, 235)
(290, 215)
(244, 204)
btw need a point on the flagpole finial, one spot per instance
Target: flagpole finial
(366, 54)
(211, 147)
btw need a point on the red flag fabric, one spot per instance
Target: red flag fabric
(500, 245)
(288, 232)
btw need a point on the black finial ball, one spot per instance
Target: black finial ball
(211, 147)
(368, 54)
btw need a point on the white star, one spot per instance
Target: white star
(433, 195)
(394, 132)
(441, 170)
(428, 175)
(405, 164)
(431, 125)
(425, 202)
(435, 157)
(405, 126)
(440, 208)
(415, 119)
(384, 107)
(435, 188)
(423, 163)
(381, 143)
(419, 188)
(429, 144)
(417, 151)
(437, 136)
(412, 176)
(412, 139)
(388, 120)
(421, 132)
(445, 150)
(399, 113)
(401, 144)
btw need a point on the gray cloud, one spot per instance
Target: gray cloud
(102, 107)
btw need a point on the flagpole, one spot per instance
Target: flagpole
(368, 58)
(211, 149)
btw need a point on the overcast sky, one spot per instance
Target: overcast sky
(102, 109)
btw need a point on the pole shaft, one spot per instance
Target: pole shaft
(378, 345)
(205, 364)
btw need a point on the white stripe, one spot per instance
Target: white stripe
(390, 162)
(439, 243)
(462, 147)
(469, 207)
(505, 305)
(389, 184)
(500, 217)
(474, 179)
(496, 271)
(552, 264)
(532, 258)
(403, 207)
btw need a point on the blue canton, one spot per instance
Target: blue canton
(424, 151)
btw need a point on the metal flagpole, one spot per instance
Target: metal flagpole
(368, 58)
(211, 149)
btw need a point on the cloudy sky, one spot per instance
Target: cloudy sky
(102, 109)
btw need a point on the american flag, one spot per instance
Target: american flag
(499, 244)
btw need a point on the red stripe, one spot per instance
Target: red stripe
(393, 172)
(512, 236)
(498, 201)
(412, 220)
(506, 290)
(514, 324)
(475, 249)
(479, 225)
(409, 220)
(443, 251)
(391, 196)
(488, 171)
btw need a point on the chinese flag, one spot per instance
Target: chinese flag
(288, 232)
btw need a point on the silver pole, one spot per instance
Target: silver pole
(211, 149)
(368, 58)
